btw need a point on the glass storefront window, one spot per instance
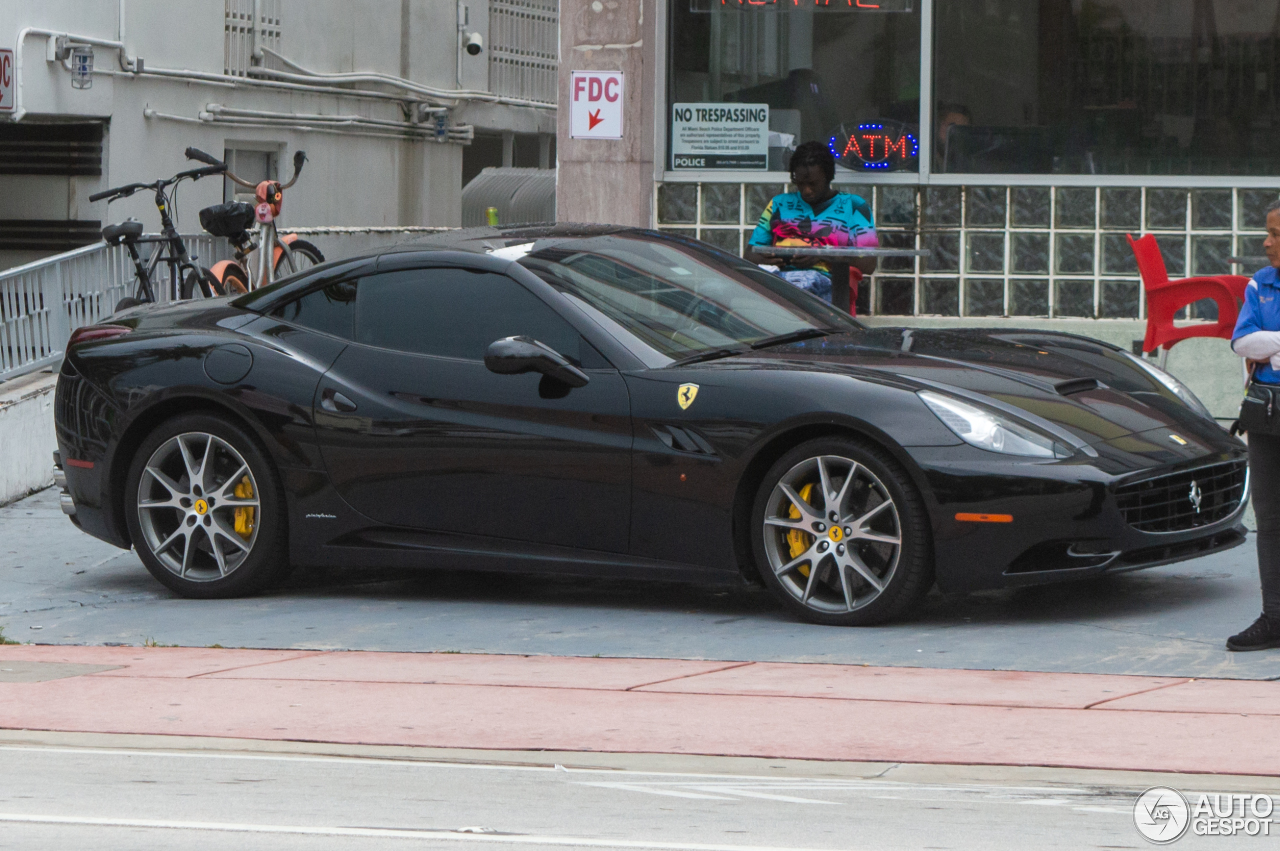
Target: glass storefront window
(748, 81)
(1106, 87)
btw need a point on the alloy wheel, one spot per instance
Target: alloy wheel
(832, 534)
(198, 506)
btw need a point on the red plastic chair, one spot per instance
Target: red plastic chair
(1165, 298)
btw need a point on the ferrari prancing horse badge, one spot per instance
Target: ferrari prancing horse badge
(686, 394)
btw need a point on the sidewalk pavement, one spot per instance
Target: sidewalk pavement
(671, 706)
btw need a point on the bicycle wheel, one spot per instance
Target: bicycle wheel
(191, 284)
(298, 255)
(234, 281)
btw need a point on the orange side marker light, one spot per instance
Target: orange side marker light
(984, 518)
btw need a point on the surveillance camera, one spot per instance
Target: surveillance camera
(473, 43)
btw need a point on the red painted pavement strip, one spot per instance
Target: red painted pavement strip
(1237, 697)
(178, 662)
(746, 709)
(473, 669)
(489, 717)
(917, 685)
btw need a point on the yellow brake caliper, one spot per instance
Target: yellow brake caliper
(244, 516)
(797, 540)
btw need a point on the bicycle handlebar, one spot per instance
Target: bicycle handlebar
(126, 191)
(299, 158)
(197, 173)
(119, 191)
(208, 159)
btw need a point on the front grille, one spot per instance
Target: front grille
(1168, 503)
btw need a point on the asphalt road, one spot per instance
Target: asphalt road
(59, 586)
(112, 797)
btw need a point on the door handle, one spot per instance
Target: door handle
(332, 400)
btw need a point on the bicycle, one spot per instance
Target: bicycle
(278, 255)
(185, 277)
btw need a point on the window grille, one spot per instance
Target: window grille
(238, 33)
(524, 49)
(1004, 250)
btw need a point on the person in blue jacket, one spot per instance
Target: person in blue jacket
(1257, 338)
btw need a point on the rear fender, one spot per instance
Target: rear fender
(219, 269)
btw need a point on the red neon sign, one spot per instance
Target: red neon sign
(873, 146)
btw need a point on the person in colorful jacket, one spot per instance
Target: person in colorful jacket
(1257, 338)
(814, 215)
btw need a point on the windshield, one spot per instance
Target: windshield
(675, 299)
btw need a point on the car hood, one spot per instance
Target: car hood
(1088, 388)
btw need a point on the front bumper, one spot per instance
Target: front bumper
(1067, 523)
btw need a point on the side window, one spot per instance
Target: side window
(457, 313)
(330, 310)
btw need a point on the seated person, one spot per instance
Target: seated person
(948, 115)
(814, 215)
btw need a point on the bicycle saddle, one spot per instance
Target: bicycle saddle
(126, 230)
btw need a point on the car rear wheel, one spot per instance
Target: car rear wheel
(205, 509)
(841, 535)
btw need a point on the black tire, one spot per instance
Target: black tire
(211, 570)
(841, 594)
(191, 287)
(305, 254)
(128, 302)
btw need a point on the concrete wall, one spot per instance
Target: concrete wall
(350, 179)
(607, 180)
(27, 438)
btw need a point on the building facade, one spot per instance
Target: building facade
(1019, 141)
(385, 96)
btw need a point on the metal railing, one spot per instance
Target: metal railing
(42, 302)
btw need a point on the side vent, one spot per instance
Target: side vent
(1076, 385)
(682, 439)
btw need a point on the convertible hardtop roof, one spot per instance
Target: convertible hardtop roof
(480, 241)
(483, 240)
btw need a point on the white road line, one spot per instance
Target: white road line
(811, 783)
(671, 793)
(383, 833)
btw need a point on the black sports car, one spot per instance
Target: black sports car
(611, 401)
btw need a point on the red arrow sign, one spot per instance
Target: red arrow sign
(593, 118)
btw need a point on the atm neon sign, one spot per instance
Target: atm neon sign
(873, 146)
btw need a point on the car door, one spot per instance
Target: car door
(416, 432)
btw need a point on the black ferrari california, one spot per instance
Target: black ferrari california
(607, 401)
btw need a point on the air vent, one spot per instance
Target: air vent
(70, 150)
(1075, 385)
(682, 439)
(47, 234)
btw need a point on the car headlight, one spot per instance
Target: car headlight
(988, 430)
(1175, 386)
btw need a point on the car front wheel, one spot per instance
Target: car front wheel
(205, 509)
(840, 534)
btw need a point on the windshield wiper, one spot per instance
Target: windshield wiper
(793, 337)
(710, 354)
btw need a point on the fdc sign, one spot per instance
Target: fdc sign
(6, 80)
(595, 105)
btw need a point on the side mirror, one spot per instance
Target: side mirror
(516, 355)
